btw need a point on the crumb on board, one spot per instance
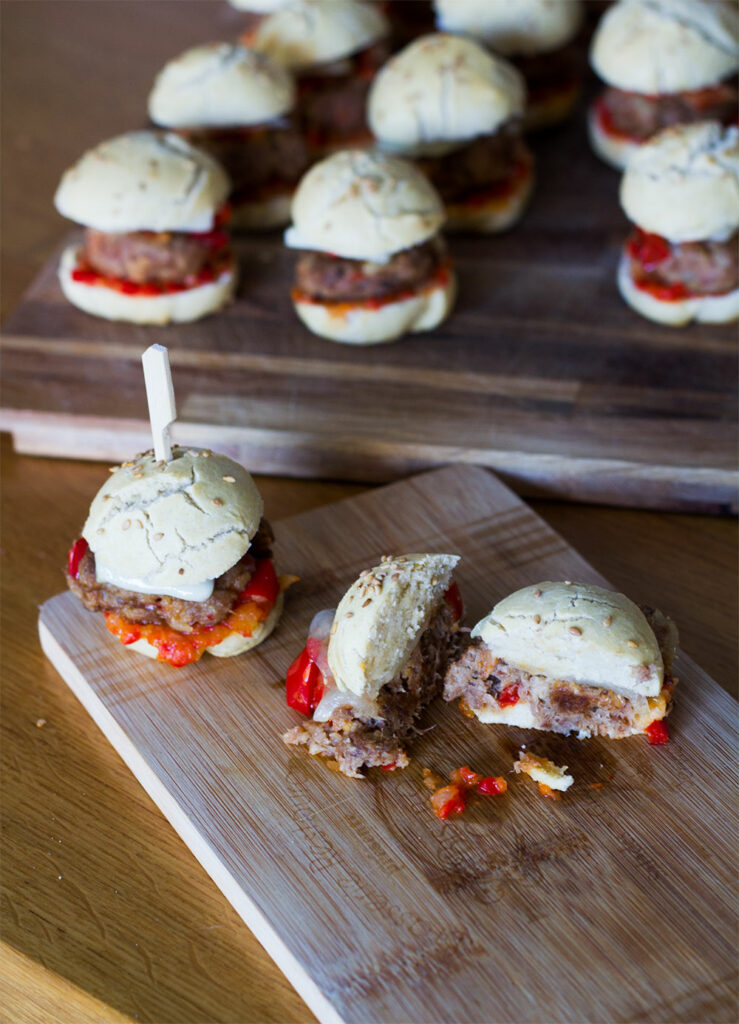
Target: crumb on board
(550, 777)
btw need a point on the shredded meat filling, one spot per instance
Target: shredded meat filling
(184, 616)
(562, 706)
(359, 743)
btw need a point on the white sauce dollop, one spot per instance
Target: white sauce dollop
(185, 592)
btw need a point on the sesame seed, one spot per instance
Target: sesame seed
(368, 601)
(206, 453)
(106, 497)
(126, 524)
(181, 572)
(349, 615)
(192, 452)
(537, 619)
(632, 643)
(608, 621)
(575, 631)
(537, 592)
(158, 536)
(568, 583)
(101, 530)
(229, 479)
(364, 573)
(218, 502)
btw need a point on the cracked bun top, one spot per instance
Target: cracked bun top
(683, 183)
(381, 617)
(174, 524)
(663, 46)
(220, 84)
(305, 33)
(363, 206)
(143, 181)
(511, 29)
(576, 632)
(442, 89)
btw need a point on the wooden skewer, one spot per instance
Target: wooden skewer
(160, 397)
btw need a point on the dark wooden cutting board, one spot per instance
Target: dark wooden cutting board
(614, 904)
(541, 372)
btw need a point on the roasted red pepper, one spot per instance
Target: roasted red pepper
(492, 785)
(508, 696)
(649, 250)
(304, 683)
(657, 733)
(454, 599)
(465, 777)
(264, 585)
(76, 554)
(448, 800)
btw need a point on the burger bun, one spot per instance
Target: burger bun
(493, 215)
(306, 33)
(705, 309)
(615, 150)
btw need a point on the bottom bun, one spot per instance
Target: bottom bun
(706, 309)
(232, 645)
(176, 307)
(613, 149)
(494, 215)
(551, 109)
(261, 214)
(360, 324)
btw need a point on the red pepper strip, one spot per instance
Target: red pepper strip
(492, 785)
(264, 585)
(650, 250)
(75, 556)
(508, 695)
(304, 684)
(448, 800)
(657, 733)
(454, 599)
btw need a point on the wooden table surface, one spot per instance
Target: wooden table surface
(104, 910)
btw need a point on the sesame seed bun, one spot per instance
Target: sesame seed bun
(494, 215)
(363, 206)
(664, 46)
(143, 181)
(511, 29)
(615, 150)
(683, 183)
(305, 33)
(442, 89)
(176, 524)
(577, 632)
(381, 617)
(364, 325)
(706, 309)
(176, 307)
(220, 84)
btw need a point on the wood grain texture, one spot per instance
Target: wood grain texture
(541, 372)
(613, 904)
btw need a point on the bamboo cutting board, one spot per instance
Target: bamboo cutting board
(614, 904)
(541, 372)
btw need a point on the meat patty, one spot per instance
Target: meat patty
(562, 706)
(184, 616)
(642, 116)
(333, 279)
(480, 164)
(146, 256)
(256, 157)
(705, 268)
(358, 743)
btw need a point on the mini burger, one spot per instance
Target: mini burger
(177, 556)
(568, 658)
(236, 105)
(334, 48)
(371, 667)
(538, 37)
(374, 267)
(456, 110)
(681, 190)
(155, 248)
(665, 62)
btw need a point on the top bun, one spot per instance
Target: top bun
(143, 181)
(363, 206)
(442, 89)
(220, 84)
(683, 183)
(522, 27)
(303, 33)
(663, 46)
(259, 6)
(174, 524)
(381, 617)
(576, 632)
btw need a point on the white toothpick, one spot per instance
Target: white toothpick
(160, 396)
